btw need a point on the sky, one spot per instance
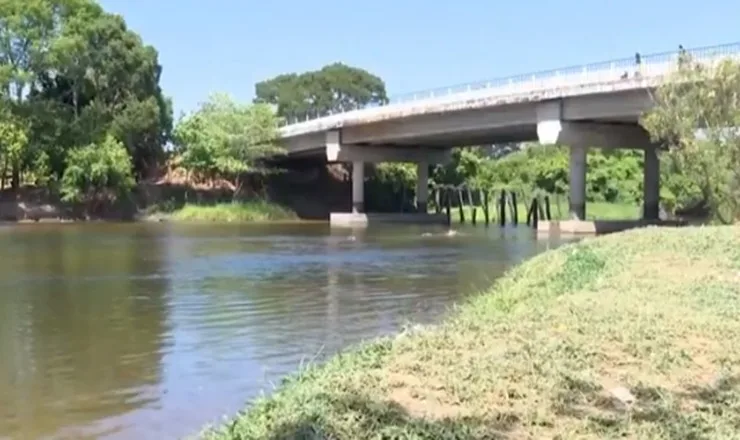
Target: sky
(208, 46)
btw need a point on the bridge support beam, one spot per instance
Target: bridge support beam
(336, 151)
(379, 154)
(358, 187)
(651, 185)
(422, 186)
(551, 129)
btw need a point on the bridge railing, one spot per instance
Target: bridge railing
(650, 66)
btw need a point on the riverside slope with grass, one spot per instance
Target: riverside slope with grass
(253, 211)
(631, 335)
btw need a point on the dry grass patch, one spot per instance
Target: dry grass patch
(633, 335)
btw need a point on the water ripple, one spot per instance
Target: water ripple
(151, 331)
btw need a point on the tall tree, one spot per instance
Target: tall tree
(110, 82)
(226, 139)
(335, 88)
(70, 75)
(697, 114)
(27, 28)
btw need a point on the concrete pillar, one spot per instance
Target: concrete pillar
(422, 186)
(651, 185)
(358, 186)
(578, 182)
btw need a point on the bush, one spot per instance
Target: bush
(97, 171)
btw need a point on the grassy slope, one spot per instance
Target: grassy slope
(652, 310)
(233, 212)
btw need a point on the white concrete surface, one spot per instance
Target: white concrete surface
(350, 219)
(358, 187)
(509, 109)
(600, 78)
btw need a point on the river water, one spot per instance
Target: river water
(150, 331)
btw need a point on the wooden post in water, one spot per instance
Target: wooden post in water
(448, 203)
(473, 206)
(514, 209)
(502, 208)
(437, 207)
(540, 208)
(530, 208)
(547, 208)
(536, 208)
(486, 214)
(461, 205)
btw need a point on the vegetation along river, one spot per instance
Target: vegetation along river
(153, 330)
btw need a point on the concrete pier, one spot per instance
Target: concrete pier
(358, 187)
(351, 219)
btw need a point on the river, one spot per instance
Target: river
(150, 331)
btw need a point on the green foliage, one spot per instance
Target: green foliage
(542, 354)
(71, 75)
(13, 138)
(333, 89)
(468, 165)
(225, 139)
(97, 170)
(41, 170)
(390, 187)
(249, 211)
(613, 176)
(696, 114)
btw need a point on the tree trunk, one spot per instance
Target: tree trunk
(237, 188)
(4, 173)
(15, 180)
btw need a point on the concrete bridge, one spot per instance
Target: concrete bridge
(597, 105)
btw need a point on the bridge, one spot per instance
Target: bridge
(597, 105)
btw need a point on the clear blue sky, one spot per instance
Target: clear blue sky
(227, 45)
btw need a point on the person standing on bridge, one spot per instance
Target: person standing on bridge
(638, 65)
(682, 56)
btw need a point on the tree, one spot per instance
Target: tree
(108, 81)
(335, 88)
(26, 29)
(227, 139)
(70, 75)
(13, 142)
(98, 173)
(697, 115)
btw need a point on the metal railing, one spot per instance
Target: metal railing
(651, 65)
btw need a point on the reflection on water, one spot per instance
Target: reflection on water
(152, 330)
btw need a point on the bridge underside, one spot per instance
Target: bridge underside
(588, 121)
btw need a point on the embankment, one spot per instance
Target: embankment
(253, 211)
(305, 190)
(631, 335)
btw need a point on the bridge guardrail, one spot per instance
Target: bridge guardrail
(651, 65)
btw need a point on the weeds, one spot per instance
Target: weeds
(544, 354)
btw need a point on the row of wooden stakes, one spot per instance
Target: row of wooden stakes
(445, 197)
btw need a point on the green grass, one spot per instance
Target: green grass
(594, 211)
(541, 354)
(254, 211)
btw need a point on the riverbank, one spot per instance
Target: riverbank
(249, 211)
(628, 335)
